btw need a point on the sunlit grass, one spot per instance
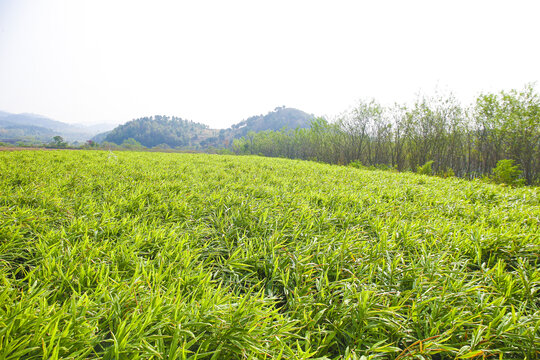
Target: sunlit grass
(185, 256)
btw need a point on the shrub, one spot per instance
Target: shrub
(425, 169)
(356, 164)
(507, 173)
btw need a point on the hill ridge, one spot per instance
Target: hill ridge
(155, 130)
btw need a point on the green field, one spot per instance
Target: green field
(190, 256)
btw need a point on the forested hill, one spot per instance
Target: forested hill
(160, 131)
(175, 132)
(275, 120)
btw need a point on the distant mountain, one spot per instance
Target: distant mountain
(99, 138)
(176, 132)
(13, 133)
(32, 120)
(32, 127)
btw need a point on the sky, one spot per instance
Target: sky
(219, 62)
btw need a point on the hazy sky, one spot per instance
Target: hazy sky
(218, 62)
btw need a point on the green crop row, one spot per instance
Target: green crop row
(189, 256)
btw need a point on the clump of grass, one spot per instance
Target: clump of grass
(187, 256)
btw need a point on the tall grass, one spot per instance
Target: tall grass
(185, 256)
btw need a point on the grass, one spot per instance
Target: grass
(187, 256)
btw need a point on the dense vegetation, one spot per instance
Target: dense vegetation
(186, 256)
(467, 142)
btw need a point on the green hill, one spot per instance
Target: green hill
(158, 130)
(275, 120)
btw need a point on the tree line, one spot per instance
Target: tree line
(456, 140)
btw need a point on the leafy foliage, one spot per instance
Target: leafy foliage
(188, 256)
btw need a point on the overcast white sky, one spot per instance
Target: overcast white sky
(218, 62)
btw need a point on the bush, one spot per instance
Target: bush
(356, 164)
(507, 173)
(425, 169)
